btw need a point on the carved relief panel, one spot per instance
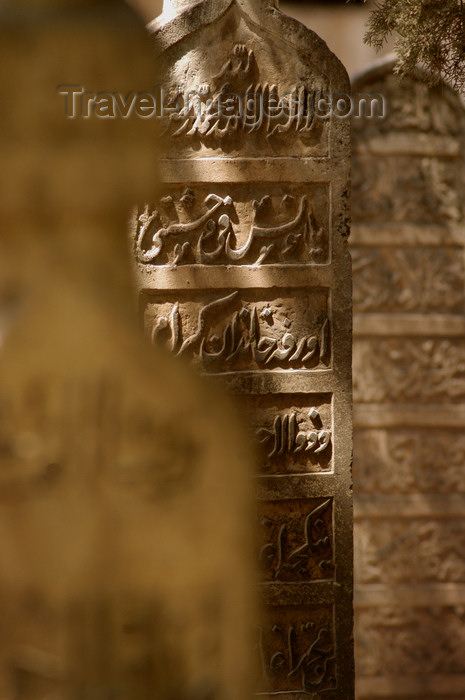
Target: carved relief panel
(411, 460)
(243, 269)
(293, 432)
(297, 653)
(245, 96)
(390, 639)
(296, 540)
(244, 329)
(221, 225)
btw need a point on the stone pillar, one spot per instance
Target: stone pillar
(409, 390)
(243, 268)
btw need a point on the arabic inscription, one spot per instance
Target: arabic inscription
(297, 652)
(194, 226)
(297, 540)
(240, 330)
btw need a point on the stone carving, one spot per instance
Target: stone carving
(244, 271)
(405, 188)
(409, 447)
(413, 106)
(409, 461)
(412, 551)
(408, 280)
(398, 641)
(243, 94)
(281, 229)
(279, 333)
(297, 540)
(292, 435)
(398, 370)
(296, 653)
(233, 102)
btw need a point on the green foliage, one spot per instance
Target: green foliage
(429, 32)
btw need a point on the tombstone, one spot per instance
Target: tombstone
(124, 487)
(243, 270)
(409, 389)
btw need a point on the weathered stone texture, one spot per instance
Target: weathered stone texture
(243, 268)
(409, 390)
(409, 280)
(409, 370)
(390, 642)
(124, 484)
(409, 460)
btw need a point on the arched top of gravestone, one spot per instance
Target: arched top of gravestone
(266, 17)
(248, 49)
(410, 105)
(408, 165)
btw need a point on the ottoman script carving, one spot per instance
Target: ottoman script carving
(312, 537)
(211, 236)
(292, 433)
(242, 336)
(297, 658)
(227, 105)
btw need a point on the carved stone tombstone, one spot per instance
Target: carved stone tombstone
(243, 268)
(409, 390)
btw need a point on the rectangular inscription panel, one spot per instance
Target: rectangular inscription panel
(293, 433)
(234, 224)
(233, 330)
(296, 540)
(297, 653)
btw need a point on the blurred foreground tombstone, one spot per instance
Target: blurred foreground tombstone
(244, 269)
(123, 503)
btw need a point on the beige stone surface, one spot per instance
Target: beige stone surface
(341, 25)
(243, 269)
(124, 480)
(409, 300)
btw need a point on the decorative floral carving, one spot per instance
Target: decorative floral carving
(411, 551)
(409, 461)
(398, 641)
(402, 188)
(409, 370)
(420, 280)
(412, 106)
